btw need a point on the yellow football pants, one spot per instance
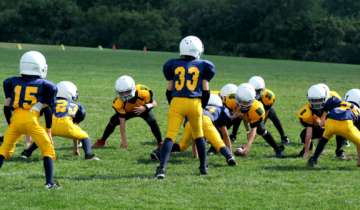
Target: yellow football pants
(344, 128)
(210, 133)
(64, 127)
(184, 107)
(26, 121)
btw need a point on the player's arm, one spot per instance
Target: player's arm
(7, 110)
(122, 131)
(309, 131)
(76, 144)
(48, 120)
(169, 91)
(194, 149)
(246, 124)
(226, 137)
(205, 93)
(266, 115)
(322, 123)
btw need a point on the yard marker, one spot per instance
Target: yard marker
(99, 48)
(18, 47)
(62, 47)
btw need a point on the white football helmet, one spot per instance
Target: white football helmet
(327, 90)
(67, 90)
(191, 46)
(33, 63)
(124, 84)
(226, 90)
(214, 100)
(353, 96)
(246, 93)
(258, 84)
(316, 92)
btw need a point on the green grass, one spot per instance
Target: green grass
(124, 178)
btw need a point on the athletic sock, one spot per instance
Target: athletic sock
(339, 142)
(278, 125)
(270, 140)
(165, 152)
(32, 147)
(156, 131)
(49, 167)
(175, 148)
(201, 148)
(2, 160)
(86, 146)
(320, 147)
(108, 131)
(225, 151)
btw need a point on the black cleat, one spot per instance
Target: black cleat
(204, 171)
(25, 154)
(212, 151)
(280, 151)
(230, 159)
(160, 173)
(91, 157)
(340, 153)
(303, 150)
(346, 143)
(232, 137)
(312, 162)
(155, 155)
(285, 139)
(55, 184)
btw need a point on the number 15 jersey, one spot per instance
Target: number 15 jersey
(188, 75)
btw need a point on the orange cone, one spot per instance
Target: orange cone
(144, 48)
(113, 47)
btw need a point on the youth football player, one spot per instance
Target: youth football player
(66, 117)
(341, 118)
(188, 94)
(26, 96)
(267, 98)
(131, 101)
(309, 116)
(252, 111)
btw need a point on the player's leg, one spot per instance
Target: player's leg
(261, 130)
(339, 150)
(151, 120)
(235, 125)
(114, 121)
(273, 117)
(302, 137)
(8, 146)
(185, 140)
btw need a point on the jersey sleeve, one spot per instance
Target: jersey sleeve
(334, 94)
(49, 92)
(256, 113)
(80, 114)
(167, 70)
(145, 93)
(230, 101)
(209, 72)
(305, 116)
(268, 99)
(118, 106)
(7, 85)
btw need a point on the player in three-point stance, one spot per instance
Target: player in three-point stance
(252, 111)
(341, 119)
(131, 101)
(27, 96)
(66, 117)
(188, 94)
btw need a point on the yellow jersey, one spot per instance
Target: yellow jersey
(308, 118)
(267, 99)
(255, 114)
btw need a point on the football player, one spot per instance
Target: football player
(27, 96)
(252, 111)
(68, 114)
(188, 94)
(308, 117)
(267, 98)
(341, 118)
(131, 101)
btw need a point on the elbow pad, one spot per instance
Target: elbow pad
(168, 95)
(205, 98)
(48, 116)
(7, 113)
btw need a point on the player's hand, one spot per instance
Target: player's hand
(306, 155)
(139, 109)
(194, 155)
(246, 150)
(123, 145)
(76, 152)
(235, 113)
(247, 134)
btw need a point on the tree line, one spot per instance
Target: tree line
(308, 30)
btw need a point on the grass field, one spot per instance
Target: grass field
(124, 178)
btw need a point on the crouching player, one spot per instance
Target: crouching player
(27, 96)
(340, 120)
(68, 114)
(131, 101)
(252, 111)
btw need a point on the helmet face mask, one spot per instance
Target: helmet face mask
(125, 88)
(33, 63)
(245, 96)
(67, 90)
(316, 97)
(226, 90)
(191, 46)
(259, 86)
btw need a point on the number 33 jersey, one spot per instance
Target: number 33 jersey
(187, 76)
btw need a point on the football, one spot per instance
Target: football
(239, 151)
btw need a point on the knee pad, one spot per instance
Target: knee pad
(260, 128)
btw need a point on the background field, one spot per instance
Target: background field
(124, 178)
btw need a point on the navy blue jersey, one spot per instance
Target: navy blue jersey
(220, 116)
(25, 92)
(341, 110)
(188, 75)
(64, 107)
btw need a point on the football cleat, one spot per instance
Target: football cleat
(204, 170)
(303, 150)
(55, 184)
(230, 159)
(212, 151)
(25, 154)
(232, 137)
(346, 143)
(91, 157)
(99, 143)
(155, 155)
(160, 173)
(312, 162)
(280, 151)
(285, 139)
(340, 153)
